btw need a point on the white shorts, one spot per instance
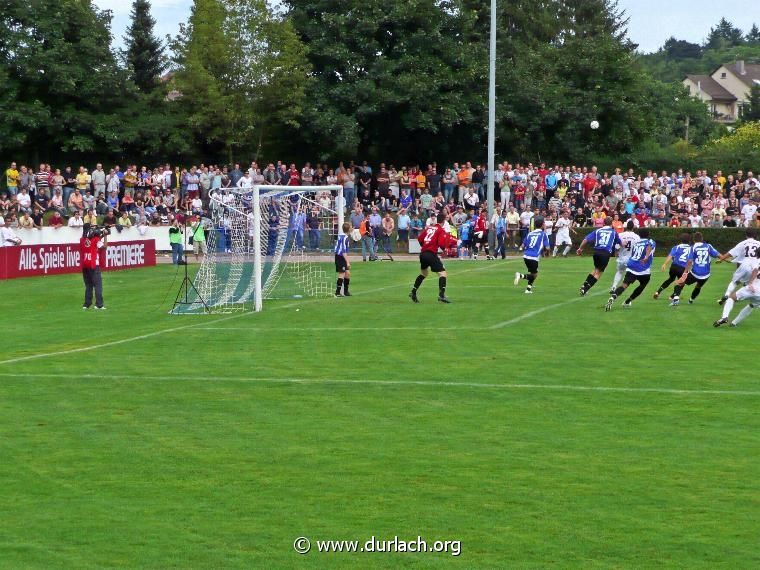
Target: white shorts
(564, 240)
(745, 294)
(742, 274)
(622, 264)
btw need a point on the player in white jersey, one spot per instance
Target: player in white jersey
(748, 248)
(628, 239)
(564, 226)
(750, 293)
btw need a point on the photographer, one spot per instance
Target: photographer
(93, 240)
(176, 239)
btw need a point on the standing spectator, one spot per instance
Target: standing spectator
(388, 227)
(12, 179)
(368, 241)
(98, 180)
(312, 224)
(404, 224)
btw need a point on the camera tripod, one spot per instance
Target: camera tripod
(183, 295)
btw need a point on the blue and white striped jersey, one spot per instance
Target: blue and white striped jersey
(680, 254)
(341, 246)
(640, 263)
(701, 257)
(604, 239)
(534, 243)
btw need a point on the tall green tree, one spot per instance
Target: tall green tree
(753, 36)
(724, 34)
(751, 110)
(61, 81)
(398, 79)
(241, 74)
(144, 54)
(681, 49)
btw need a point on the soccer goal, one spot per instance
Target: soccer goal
(269, 242)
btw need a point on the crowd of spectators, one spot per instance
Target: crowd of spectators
(394, 202)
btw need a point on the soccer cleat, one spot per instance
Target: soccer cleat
(656, 295)
(346, 294)
(338, 295)
(691, 301)
(608, 304)
(612, 291)
(733, 325)
(443, 299)
(518, 276)
(720, 322)
(85, 308)
(529, 291)
(489, 257)
(100, 308)
(413, 296)
(722, 300)
(582, 291)
(475, 257)
(627, 304)
(675, 301)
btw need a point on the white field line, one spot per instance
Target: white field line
(291, 329)
(189, 326)
(530, 314)
(429, 383)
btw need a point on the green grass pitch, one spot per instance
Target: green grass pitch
(537, 430)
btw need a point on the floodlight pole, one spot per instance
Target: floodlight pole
(492, 113)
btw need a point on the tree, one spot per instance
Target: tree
(725, 34)
(398, 79)
(753, 36)
(681, 49)
(60, 77)
(751, 109)
(144, 52)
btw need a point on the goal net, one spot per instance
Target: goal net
(269, 242)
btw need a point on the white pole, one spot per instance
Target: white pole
(492, 112)
(257, 268)
(341, 210)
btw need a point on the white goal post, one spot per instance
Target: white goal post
(257, 247)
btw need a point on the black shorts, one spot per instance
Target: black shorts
(483, 239)
(341, 264)
(631, 277)
(691, 279)
(675, 272)
(601, 260)
(430, 260)
(531, 264)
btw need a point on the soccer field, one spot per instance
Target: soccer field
(537, 430)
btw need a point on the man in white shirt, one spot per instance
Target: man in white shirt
(746, 249)
(748, 213)
(76, 220)
(564, 225)
(695, 220)
(525, 217)
(7, 236)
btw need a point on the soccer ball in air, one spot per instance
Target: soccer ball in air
(594, 125)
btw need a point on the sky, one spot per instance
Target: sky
(651, 21)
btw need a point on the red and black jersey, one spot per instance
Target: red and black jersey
(434, 238)
(90, 252)
(481, 224)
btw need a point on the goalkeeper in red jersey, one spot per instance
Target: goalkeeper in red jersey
(432, 239)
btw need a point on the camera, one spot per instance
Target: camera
(98, 231)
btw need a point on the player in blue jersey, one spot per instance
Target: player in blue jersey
(605, 241)
(534, 244)
(697, 270)
(679, 255)
(342, 264)
(639, 268)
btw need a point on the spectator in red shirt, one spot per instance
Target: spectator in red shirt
(294, 178)
(56, 221)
